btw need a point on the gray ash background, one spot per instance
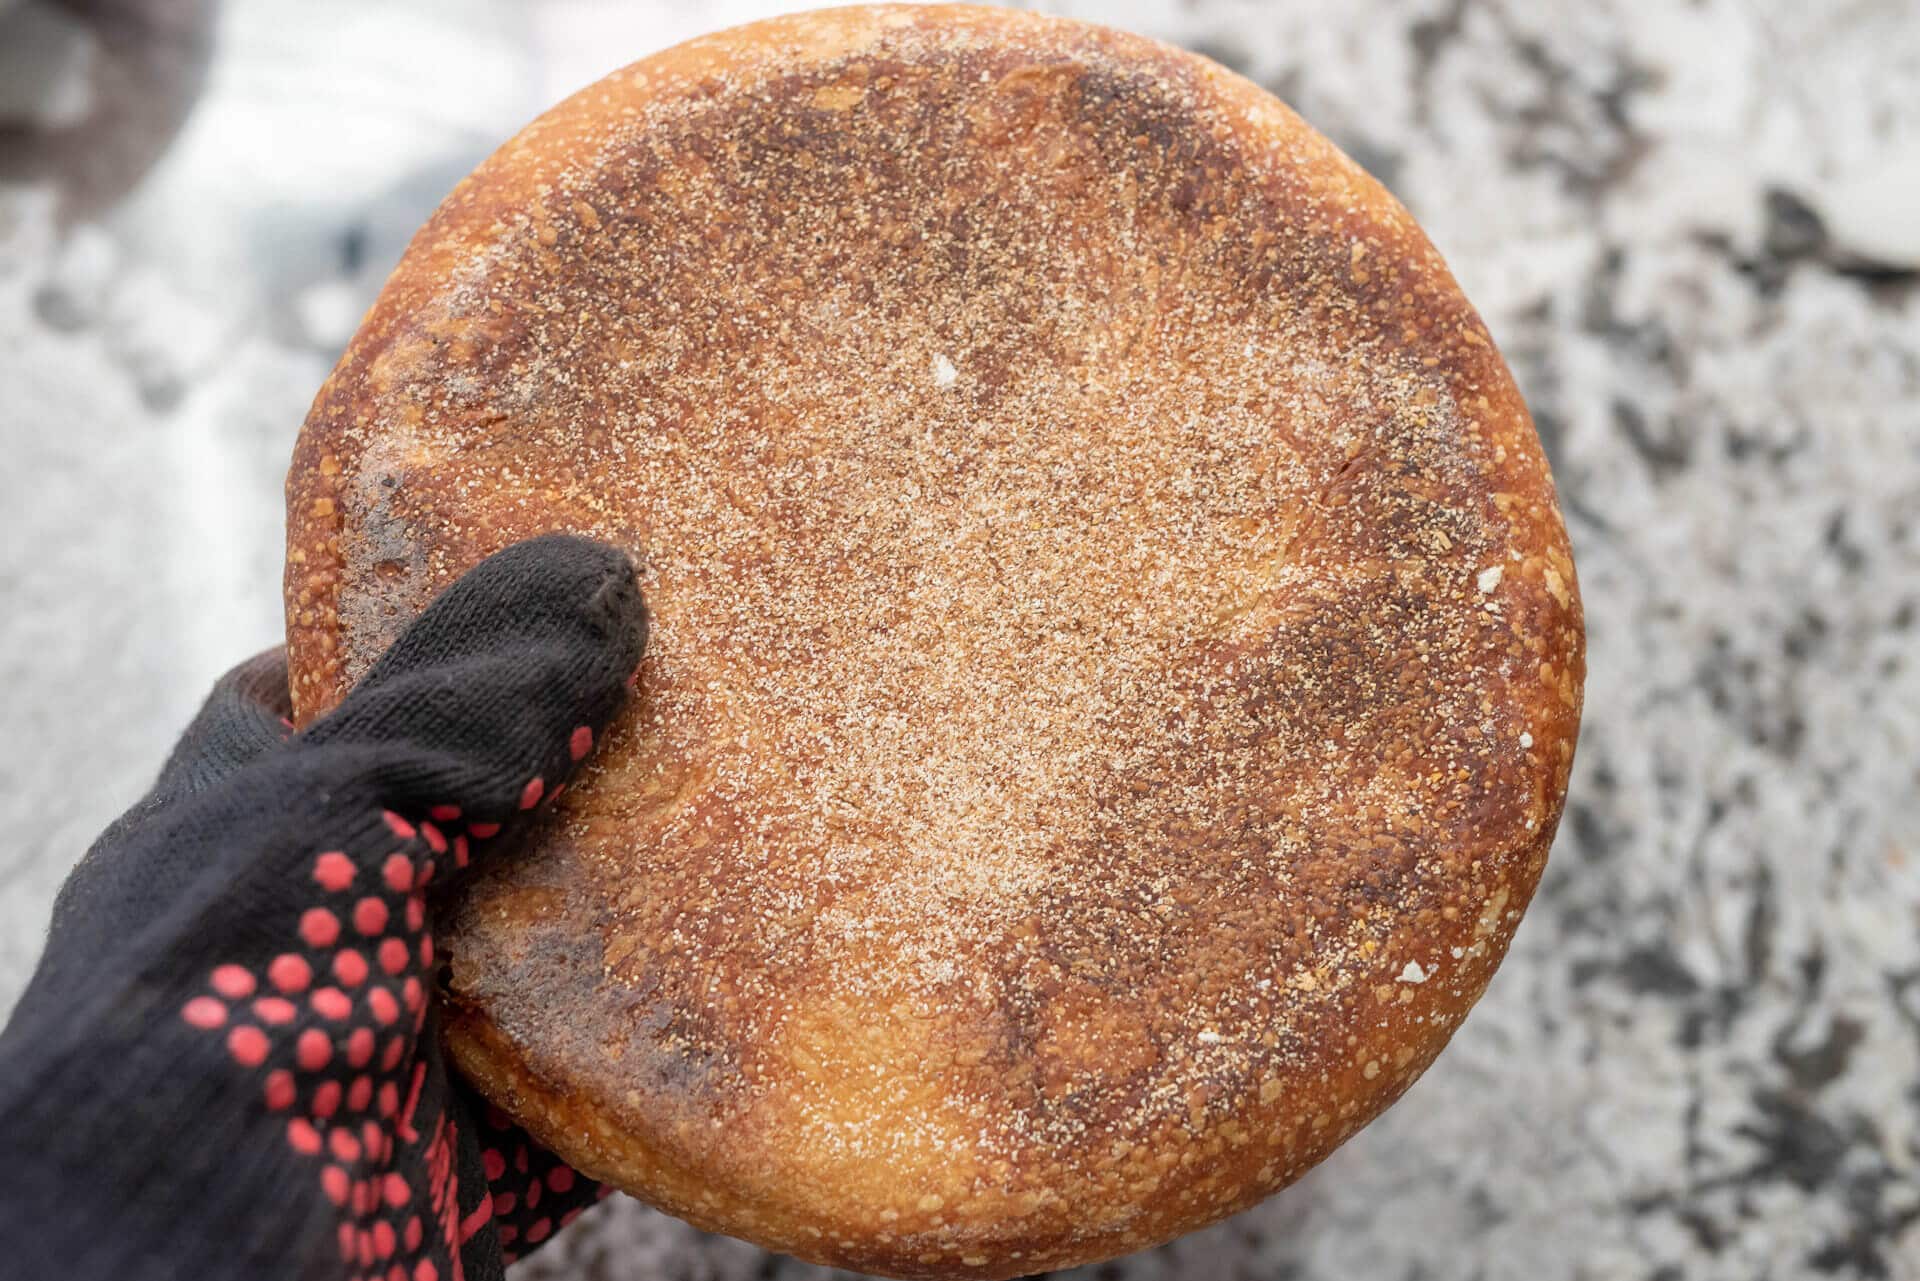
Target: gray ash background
(1693, 226)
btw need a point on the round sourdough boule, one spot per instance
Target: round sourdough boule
(1116, 660)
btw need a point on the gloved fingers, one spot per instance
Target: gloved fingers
(480, 711)
(244, 717)
(490, 736)
(558, 590)
(490, 700)
(534, 1193)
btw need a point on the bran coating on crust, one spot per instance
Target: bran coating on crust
(1116, 657)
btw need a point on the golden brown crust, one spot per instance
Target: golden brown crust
(1116, 656)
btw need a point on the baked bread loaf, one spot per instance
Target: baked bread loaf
(1116, 659)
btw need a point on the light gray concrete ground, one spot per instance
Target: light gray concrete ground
(1695, 230)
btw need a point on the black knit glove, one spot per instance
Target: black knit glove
(227, 1064)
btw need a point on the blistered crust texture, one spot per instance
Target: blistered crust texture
(1116, 659)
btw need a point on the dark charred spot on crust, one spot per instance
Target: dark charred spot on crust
(387, 560)
(518, 964)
